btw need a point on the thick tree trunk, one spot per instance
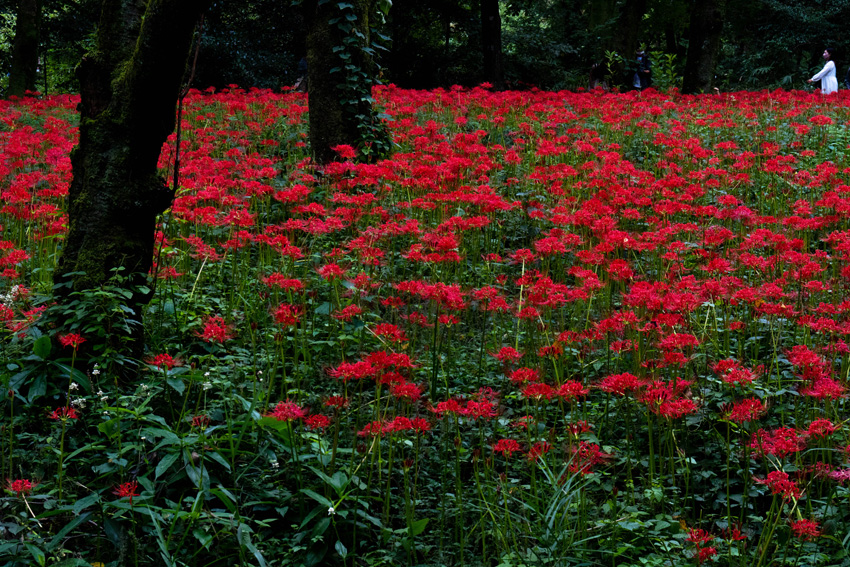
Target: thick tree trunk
(22, 75)
(491, 43)
(703, 45)
(339, 67)
(629, 27)
(128, 90)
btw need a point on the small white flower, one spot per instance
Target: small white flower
(96, 371)
(331, 511)
(275, 465)
(207, 385)
(74, 387)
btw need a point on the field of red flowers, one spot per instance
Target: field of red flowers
(552, 329)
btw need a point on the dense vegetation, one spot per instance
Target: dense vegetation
(433, 43)
(554, 328)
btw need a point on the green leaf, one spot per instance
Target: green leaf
(341, 549)
(37, 553)
(318, 497)
(177, 384)
(165, 464)
(418, 527)
(42, 347)
(84, 503)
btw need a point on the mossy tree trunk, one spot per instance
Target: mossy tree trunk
(22, 74)
(703, 45)
(340, 67)
(129, 86)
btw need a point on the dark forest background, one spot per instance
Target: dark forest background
(550, 44)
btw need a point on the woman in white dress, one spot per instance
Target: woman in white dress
(828, 82)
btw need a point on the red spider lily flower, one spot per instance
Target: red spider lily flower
(538, 391)
(127, 490)
(331, 271)
(73, 340)
(337, 402)
(484, 409)
(806, 530)
(347, 313)
(345, 151)
(586, 456)
(287, 411)
(523, 375)
(288, 315)
(698, 536)
(571, 390)
(821, 428)
(20, 487)
(675, 409)
(163, 361)
(390, 332)
(538, 450)
(282, 282)
(780, 442)
(507, 447)
(507, 354)
(317, 421)
(64, 413)
(201, 421)
(749, 409)
(779, 483)
(619, 383)
(406, 391)
(216, 330)
(449, 406)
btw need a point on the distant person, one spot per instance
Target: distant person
(598, 76)
(301, 83)
(847, 79)
(641, 74)
(828, 82)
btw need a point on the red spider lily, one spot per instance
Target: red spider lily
(317, 422)
(288, 315)
(821, 428)
(406, 391)
(163, 361)
(64, 413)
(73, 340)
(337, 402)
(806, 530)
(127, 490)
(585, 456)
(747, 410)
(287, 411)
(779, 483)
(780, 442)
(216, 330)
(507, 447)
(201, 421)
(20, 487)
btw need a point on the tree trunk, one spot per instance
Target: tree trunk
(22, 75)
(128, 92)
(491, 43)
(629, 27)
(703, 45)
(341, 71)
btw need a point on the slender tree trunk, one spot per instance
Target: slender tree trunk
(703, 45)
(128, 89)
(339, 67)
(22, 75)
(491, 43)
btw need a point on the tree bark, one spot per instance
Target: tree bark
(22, 75)
(629, 27)
(491, 43)
(339, 68)
(128, 92)
(703, 45)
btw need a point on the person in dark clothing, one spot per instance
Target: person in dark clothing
(641, 74)
(847, 79)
